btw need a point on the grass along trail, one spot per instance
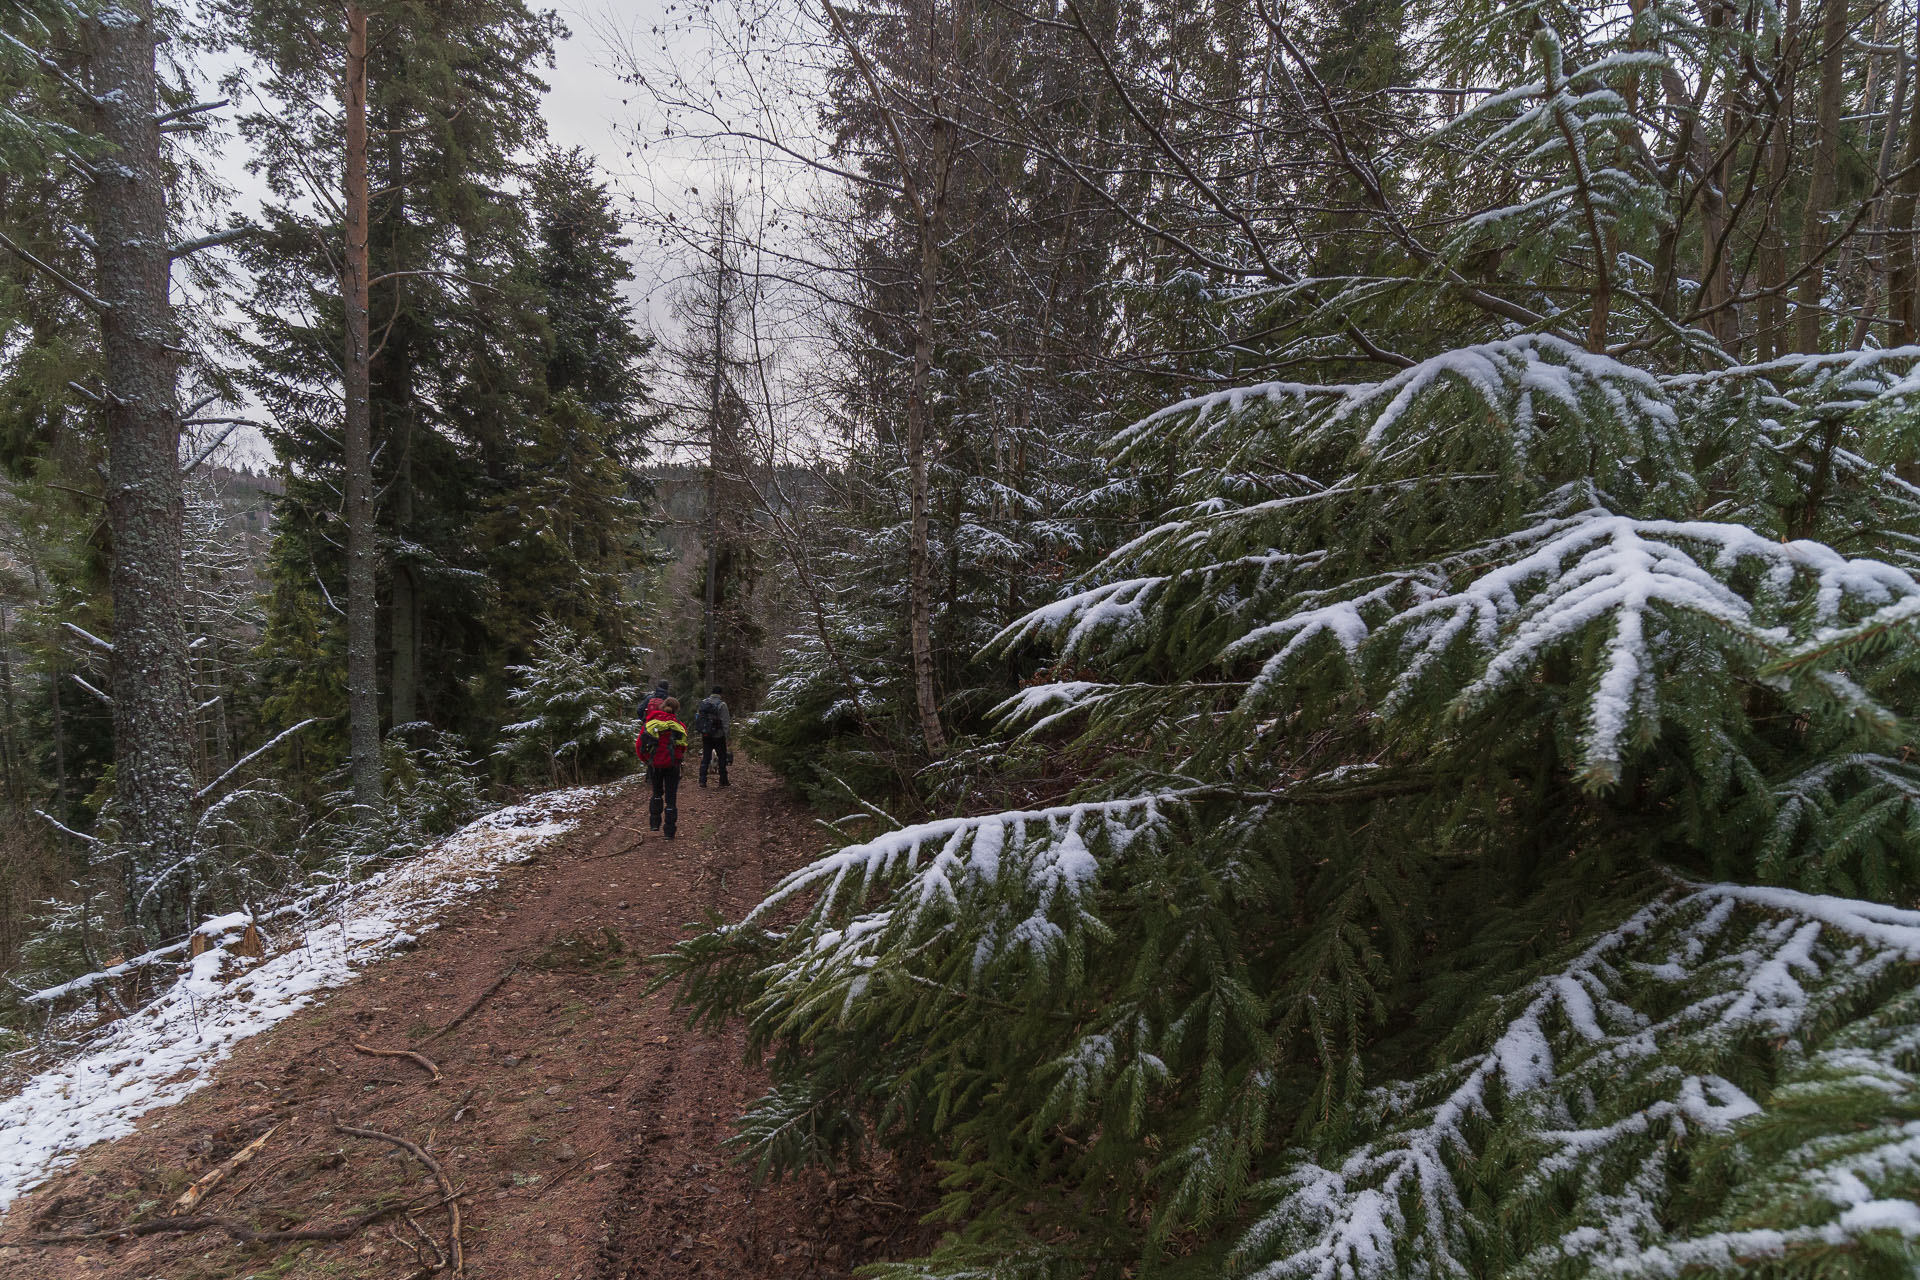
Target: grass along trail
(578, 1123)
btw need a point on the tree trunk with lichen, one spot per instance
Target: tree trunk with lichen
(153, 781)
(363, 687)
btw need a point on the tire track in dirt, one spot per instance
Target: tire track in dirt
(582, 1123)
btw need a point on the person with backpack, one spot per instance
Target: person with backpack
(651, 703)
(712, 722)
(662, 745)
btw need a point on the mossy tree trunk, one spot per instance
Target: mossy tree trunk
(140, 350)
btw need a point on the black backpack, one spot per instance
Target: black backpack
(705, 722)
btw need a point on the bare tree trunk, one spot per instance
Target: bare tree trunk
(919, 570)
(1773, 246)
(714, 375)
(396, 372)
(9, 737)
(1883, 166)
(153, 784)
(930, 213)
(363, 693)
(1821, 187)
(1903, 281)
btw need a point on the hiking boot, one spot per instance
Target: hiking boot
(723, 782)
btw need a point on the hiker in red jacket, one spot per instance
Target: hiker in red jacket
(662, 745)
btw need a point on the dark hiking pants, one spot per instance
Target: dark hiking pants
(666, 799)
(710, 747)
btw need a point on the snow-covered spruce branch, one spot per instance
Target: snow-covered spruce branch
(1514, 380)
(1630, 579)
(1548, 585)
(1040, 707)
(1023, 865)
(1196, 411)
(1613, 571)
(1048, 845)
(1518, 381)
(1892, 370)
(1579, 1099)
(1117, 610)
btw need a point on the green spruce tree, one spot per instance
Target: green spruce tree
(566, 532)
(1492, 841)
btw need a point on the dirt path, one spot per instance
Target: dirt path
(580, 1122)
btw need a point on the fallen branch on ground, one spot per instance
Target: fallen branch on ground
(620, 852)
(420, 1058)
(562, 1175)
(440, 1175)
(194, 1194)
(238, 1230)
(478, 1000)
(439, 1258)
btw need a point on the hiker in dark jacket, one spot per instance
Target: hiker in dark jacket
(650, 704)
(714, 725)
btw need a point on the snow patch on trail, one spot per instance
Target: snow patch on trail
(169, 1048)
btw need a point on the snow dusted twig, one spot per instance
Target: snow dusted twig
(251, 756)
(98, 693)
(60, 826)
(92, 639)
(207, 450)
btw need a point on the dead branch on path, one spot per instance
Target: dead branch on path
(238, 1230)
(478, 1000)
(419, 1058)
(620, 852)
(440, 1175)
(194, 1194)
(453, 1113)
(562, 1175)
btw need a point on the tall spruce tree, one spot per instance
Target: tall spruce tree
(453, 105)
(565, 532)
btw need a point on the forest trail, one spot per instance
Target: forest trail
(579, 1120)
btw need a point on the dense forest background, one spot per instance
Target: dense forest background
(1352, 563)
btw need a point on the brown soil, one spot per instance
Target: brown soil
(578, 1118)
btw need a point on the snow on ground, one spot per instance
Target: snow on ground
(170, 1048)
